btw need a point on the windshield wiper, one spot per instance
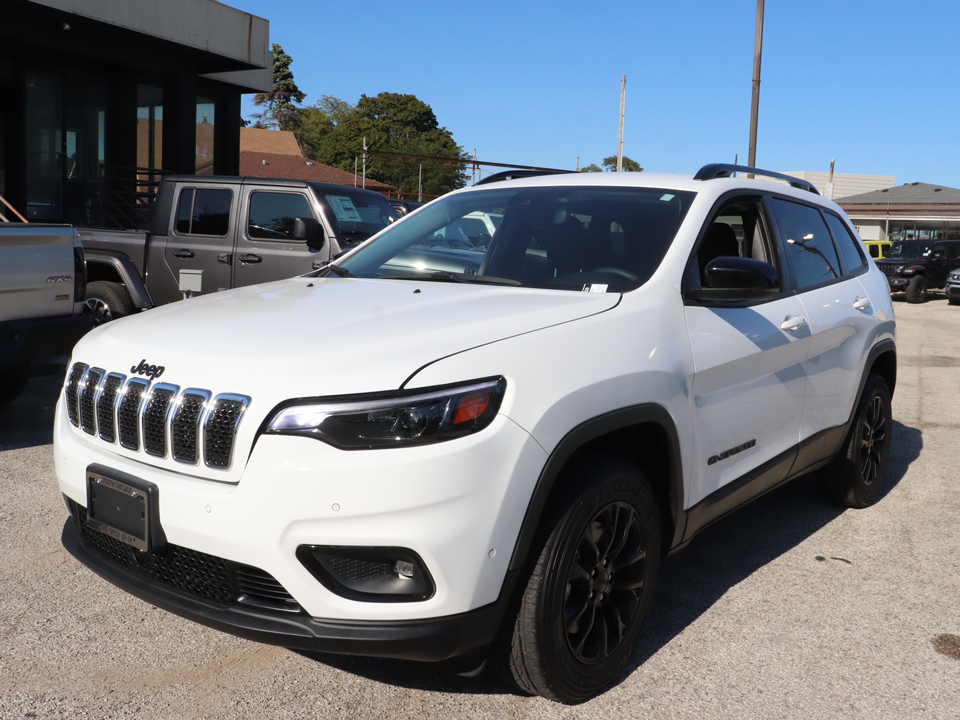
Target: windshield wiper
(453, 277)
(330, 269)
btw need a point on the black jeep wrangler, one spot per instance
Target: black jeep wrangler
(916, 265)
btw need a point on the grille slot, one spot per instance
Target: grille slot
(155, 419)
(128, 414)
(185, 426)
(220, 429)
(106, 406)
(193, 572)
(72, 392)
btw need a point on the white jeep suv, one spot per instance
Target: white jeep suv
(448, 453)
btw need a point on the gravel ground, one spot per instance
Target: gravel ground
(790, 608)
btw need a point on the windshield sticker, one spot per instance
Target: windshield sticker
(344, 208)
(596, 287)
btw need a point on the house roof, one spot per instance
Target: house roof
(913, 200)
(281, 142)
(274, 165)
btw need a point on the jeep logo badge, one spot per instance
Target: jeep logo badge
(151, 371)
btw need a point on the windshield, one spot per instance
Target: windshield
(597, 239)
(909, 249)
(358, 213)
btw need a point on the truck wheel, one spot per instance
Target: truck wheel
(13, 383)
(587, 597)
(857, 477)
(917, 289)
(107, 301)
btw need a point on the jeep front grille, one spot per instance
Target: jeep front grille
(158, 419)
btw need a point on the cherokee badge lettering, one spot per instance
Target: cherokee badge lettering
(732, 451)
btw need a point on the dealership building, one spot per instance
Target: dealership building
(103, 97)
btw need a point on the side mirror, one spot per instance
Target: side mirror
(737, 278)
(309, 229)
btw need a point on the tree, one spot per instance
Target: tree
(610, 164)
(319, 120)
(395, 123)
(592, 167)
(280, 104)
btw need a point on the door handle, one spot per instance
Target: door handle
(250, 259)
(861, 304)
(183, 253)
(793, 323)
(224, 258)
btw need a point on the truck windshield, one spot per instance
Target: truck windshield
(909, 249)
(356, 214)
(600, 239)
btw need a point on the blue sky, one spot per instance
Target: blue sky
(871, 84)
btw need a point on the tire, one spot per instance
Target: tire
(586, 600)
(917, 289)
(13, 383)
(857, 478)
(107, 301)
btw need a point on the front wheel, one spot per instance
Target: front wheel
(857, 477)
(917, 289)
(588, 595)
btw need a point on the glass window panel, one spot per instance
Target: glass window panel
(206, 135)
(272, 214)
(848, 244)
(810, 250)
(204, 211)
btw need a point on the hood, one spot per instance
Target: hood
(311, 337)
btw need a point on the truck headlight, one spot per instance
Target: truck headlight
(391, 420)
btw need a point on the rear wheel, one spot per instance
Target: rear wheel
(107, 301)
(917, 289)
(587, 598)
(858, 476)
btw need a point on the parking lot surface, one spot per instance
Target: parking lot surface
(789, 608)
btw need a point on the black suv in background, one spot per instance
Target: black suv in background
(917, 265)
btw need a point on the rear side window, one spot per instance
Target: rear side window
(204, 211)
(809, 249)
(849, 247)
(272, 214)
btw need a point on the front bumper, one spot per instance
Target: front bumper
(897, 283)
(426, 640)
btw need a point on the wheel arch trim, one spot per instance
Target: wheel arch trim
(576, 439)
(127, 271)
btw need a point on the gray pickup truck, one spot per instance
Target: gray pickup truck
(211, 233)
(42, 286)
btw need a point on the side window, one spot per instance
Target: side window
(874, 251)
(953, 252)
(272, 214)
(737, 231)
(809, 249)
(849, 247)
(204, 211)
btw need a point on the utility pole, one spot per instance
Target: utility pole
(623, 97)
(829, 187)
(755, 106)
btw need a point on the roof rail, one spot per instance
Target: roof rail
(514, 174)
(719, 170)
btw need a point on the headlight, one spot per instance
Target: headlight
(395, 420)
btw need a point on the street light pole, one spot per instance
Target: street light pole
(755, 105)
(623, 97)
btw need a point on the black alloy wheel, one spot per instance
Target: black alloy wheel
(577, 621)
(858, 475)
(605, 580)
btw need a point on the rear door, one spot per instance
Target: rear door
(825, 260)
(266, 249)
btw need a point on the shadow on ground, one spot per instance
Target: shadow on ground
(28, 420)
(721, 556)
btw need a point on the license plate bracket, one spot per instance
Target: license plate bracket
(124, 507)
